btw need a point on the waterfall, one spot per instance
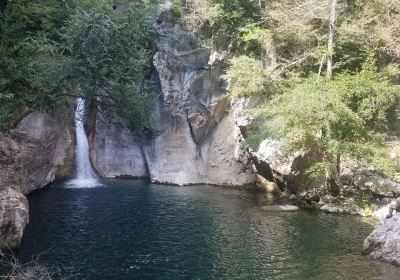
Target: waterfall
(84, 174)
(83, 167)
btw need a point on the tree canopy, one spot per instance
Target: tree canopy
(54, 50)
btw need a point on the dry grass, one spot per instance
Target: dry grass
(13, 269)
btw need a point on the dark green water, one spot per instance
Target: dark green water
(136, 230)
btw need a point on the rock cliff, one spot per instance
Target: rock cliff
(195, 137)
(37, 152)
(117, 151)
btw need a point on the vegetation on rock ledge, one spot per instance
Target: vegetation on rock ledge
(326, 73)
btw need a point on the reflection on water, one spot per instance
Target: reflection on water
(136, 230)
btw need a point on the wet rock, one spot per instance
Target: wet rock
(384, 242)
(284, 195)
(328, 199)
(292, 197)
(342, 208)
(381, 212)
(13, 217)
(267, 186)
(284, 208)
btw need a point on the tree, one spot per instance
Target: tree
(332, 29)
(347, 116)
(20, 22)
(108, 58)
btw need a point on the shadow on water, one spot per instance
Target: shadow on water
(131, 229)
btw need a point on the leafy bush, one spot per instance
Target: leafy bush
(247, 77)
(335, 118)
(371, 95)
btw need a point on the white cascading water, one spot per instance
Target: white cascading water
(84, 174)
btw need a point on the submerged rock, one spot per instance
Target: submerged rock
(344, 207)
(384, 242)
(285, 208)
(267, 186)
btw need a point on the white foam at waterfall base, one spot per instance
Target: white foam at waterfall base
(85, 177)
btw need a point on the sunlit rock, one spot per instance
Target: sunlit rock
(384, 242)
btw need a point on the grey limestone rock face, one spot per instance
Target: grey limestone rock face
(40, 149)
(196, 138)
(175, 157)
(384, 242)
(116, 151)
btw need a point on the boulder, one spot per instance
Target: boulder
(284, 208)
(290, 171)
(342, 208)
(13, 217)
(372, 180)
(384, 242)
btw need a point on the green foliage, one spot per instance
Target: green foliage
(176, 8)
(108, 58)
(336, 118)
(371, 95)
(20, 23)
(351, 51)
(246, 76)
(49, 48)
(234, 14)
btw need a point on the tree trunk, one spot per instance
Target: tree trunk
(332, 28)
(320, 68)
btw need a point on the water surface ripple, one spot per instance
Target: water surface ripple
(130, 229)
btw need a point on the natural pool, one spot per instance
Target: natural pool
(131, 229)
